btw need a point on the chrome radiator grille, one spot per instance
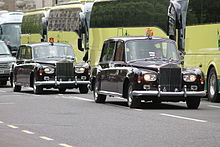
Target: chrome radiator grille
(170, 78)
(64, 71)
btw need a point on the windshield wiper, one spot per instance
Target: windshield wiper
(4, 54)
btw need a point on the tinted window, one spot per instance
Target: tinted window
(119, 54)
(25, 53)
(32, 24)
(108, 51)
(49, 51)
(203, 12)
(141, 49)
(64, 20)
(130, 13)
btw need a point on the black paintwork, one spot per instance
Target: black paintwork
(25, 70)
(113, 77)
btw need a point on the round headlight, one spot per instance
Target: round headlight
(48, 70)
(79, 69)
(150, 77)
(189, 78)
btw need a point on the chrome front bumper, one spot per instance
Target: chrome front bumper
(57, 83)
(166, 94)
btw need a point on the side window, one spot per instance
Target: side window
(108, 51)
(25, 53)
(119, 54)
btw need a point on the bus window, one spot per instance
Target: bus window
(130, 13)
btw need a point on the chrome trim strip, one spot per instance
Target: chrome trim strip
(109, 93)
(161, 93)
(39, 83)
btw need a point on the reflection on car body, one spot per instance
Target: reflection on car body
(142, 68)
(49, 65)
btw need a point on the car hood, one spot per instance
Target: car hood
(7, 58)
(154, 65)
(52, 61)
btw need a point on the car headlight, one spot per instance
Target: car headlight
(189, 78)
(48, 70)
(79, 69)
(150, 77)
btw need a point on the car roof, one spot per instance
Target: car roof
(129, 38)
(45, 43)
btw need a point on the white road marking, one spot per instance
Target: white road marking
(213, 106)
(65, 145)
(2, 91)
(13, 127)
(46, 138)
(1, 122)
(138, 110)
(79, 98)
(180, 117)
(7, 103)
(60, 94)
(27, 132)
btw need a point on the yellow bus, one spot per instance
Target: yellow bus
(67, 23)
(124, 18)
(34, 26)
(196, 25)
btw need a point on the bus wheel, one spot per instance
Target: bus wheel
(213, 95)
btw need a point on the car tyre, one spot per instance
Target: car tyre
(98, 98)
(193, 102)
(62, 90)
(213, 95)
(3, 83)
(16, 88)
(37, 89)
(133, 101)
(83, 89)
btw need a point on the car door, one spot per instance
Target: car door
(120, 66)
(107, 73)
(23, 67)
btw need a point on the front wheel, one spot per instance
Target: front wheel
(16, 88)
(99, 98)
(133, 101)
(193, 102)
(213, 95)
(83, 89)
(62, 90)
(37, 89)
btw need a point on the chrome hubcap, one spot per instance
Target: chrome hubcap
(212, 85)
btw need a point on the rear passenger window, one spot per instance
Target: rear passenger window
(108, 51)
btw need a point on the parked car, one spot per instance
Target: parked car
(145, 68)
(6, 60)
(49, 65)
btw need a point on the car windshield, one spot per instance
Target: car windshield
(11, 34)
(4, 49)
(53, 51)
(142, 49)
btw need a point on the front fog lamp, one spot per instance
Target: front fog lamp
(189, 78)
(150, 77)
(79, 70)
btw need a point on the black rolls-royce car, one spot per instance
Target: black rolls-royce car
(49, 65)
(145, 68)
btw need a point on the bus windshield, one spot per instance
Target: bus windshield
(10, 33)
(142, 49)
(55, 51)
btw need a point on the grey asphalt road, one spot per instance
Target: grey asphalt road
(75, 120)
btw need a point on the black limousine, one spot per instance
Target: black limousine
(49, 65)
(145, 68)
